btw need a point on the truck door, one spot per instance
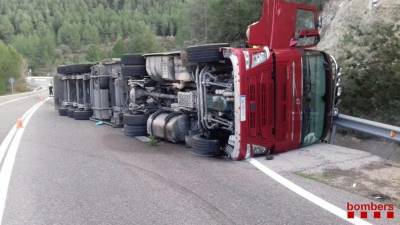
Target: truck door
(288, 105)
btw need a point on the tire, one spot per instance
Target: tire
(133, 60)
(205, 53)
(58, 91)
(82, 115)
(74, 69)
(134, 71)
(62, 70)
(135, 131)
(135, 120)
(205, 147)
(71, 113)
(63, 112)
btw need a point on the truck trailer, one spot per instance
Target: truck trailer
(277, 94)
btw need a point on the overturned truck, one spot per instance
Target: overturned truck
(276, 95)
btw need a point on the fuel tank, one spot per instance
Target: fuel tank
(172, 127)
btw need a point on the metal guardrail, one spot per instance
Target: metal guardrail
(369, 127)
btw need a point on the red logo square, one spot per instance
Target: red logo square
(350, 215)
(377, 215)
(390, 215)
(364, 215)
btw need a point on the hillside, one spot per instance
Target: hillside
(365, 38)
(339, 15)
(49, 32)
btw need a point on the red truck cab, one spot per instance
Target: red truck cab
(284, 89)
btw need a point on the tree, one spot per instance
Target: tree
(11, 65)
(201, 20)
(143, 41)
(45, 53)
(26, 45)
(194, 30)
(233, 25)
(69, 35)
(119, 49)
(6, 29)
(94, 54)
(23, 23)
(89, 34)
(372, 72)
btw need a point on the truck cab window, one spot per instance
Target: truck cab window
(306, 29)
(305, 20)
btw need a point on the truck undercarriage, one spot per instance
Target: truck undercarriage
(274, 96)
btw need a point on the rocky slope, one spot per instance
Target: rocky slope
(338, 15)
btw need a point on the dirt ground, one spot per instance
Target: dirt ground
(380, 147)
(378, 180)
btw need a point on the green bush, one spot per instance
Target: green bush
(372, 72)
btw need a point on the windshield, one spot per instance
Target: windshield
(314, 78)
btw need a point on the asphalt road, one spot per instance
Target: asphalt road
(73, 172)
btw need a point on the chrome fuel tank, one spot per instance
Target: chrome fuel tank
(167, 67)
(172, 127)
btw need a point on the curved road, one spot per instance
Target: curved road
(73, 172)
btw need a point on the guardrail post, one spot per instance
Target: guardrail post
(332, 137)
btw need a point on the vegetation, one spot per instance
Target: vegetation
(50, 32)
(372, 72)
(210, 26)
(10, 66)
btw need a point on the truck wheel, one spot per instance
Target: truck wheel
(74, 69)
(71, 113)
(138, 71)
(82, 115)
(135, 120)
(205, 147)
(205, 53)
(62, 70)
(133, 60)
(135, 131)
(63, 112)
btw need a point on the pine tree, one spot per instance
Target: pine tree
(6, 29)
(94, 54)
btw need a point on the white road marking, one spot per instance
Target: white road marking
(306, 194)
(6, 142)
(12, 143)
(15, 100)
(23, 93)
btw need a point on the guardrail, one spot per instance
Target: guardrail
(366, 126)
